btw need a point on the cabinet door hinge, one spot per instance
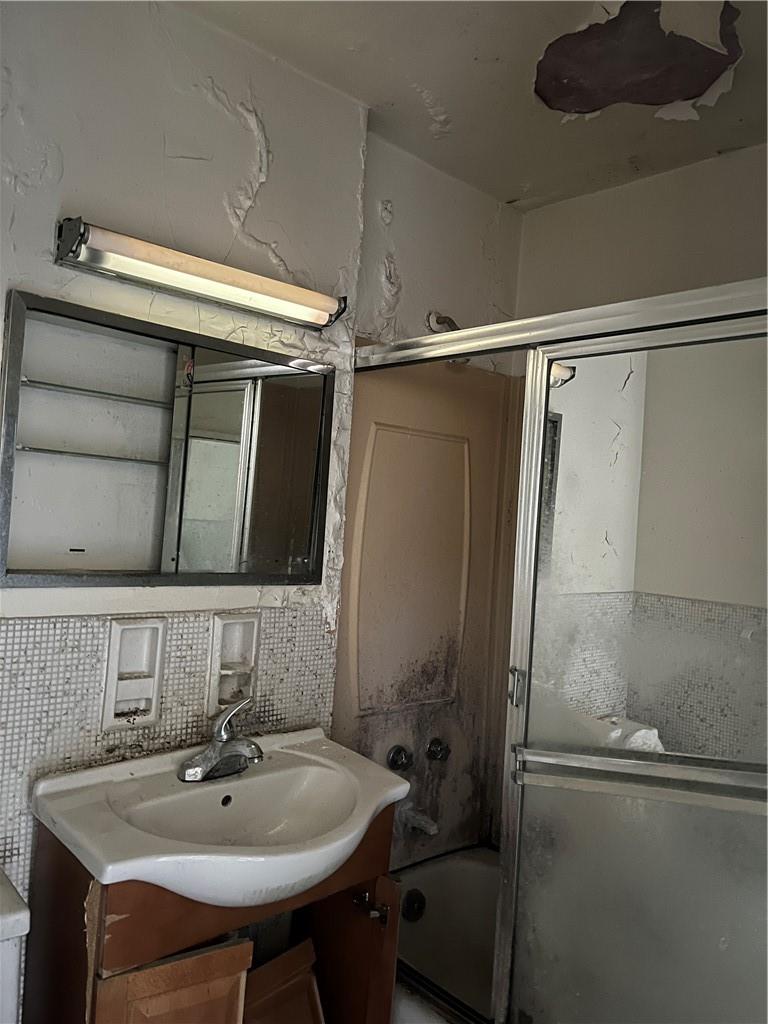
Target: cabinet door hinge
(376, 911)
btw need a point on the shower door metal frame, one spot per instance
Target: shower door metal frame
(711, 782)
(722, 313)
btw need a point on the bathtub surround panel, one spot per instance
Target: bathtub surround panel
(451, 942)
(417, 652)
(53, 672)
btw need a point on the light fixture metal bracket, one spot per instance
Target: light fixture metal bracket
(102, 251)
(71, 236)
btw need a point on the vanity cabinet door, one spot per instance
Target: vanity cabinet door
(200, 988)
(355, 936)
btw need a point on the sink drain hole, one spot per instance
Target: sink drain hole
(226, 800)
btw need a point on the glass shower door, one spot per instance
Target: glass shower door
(638, 888)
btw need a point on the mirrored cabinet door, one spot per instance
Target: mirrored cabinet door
(131, 449)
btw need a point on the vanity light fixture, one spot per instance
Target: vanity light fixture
(106, 252)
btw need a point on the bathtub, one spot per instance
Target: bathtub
(447, 928)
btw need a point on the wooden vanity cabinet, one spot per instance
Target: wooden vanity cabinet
(133, 952)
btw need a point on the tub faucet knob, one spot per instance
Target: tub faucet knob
(399, 758)
(438, 750)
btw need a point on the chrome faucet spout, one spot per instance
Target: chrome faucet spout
(226, 754)
(223, 730)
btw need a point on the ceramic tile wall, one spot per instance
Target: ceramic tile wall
(580, 649)
(50, 702)
(699, 675)
(696, 670)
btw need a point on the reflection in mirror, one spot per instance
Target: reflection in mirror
(145, 455)
(217, 466)
(650, 627)
(282, 514)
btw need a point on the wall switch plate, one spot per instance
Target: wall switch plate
(234, 652)
(134, 673)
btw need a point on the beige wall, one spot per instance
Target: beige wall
(700, 225)
(431, 242)
(702, 515)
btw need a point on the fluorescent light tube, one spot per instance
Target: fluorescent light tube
(107, 252)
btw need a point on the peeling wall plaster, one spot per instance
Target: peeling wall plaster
(639, 55)
(440, 121)
(214, 148)
(431, 242)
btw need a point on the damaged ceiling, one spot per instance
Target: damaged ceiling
(532, 101)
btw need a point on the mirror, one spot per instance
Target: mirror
(130, 449)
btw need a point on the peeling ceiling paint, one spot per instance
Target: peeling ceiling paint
(451, 83)
(630, 58)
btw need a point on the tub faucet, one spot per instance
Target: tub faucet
(226, 754)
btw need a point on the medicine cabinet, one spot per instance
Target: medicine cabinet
(133, 452)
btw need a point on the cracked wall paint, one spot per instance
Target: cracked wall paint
(184, 141)
(431, 242)
(240, 202)
(598, 481)
(440, 121)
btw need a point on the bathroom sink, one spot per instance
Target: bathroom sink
(272, 832)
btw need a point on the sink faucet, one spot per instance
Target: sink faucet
(226, 754)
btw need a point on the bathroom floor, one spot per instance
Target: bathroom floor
(411, 1009)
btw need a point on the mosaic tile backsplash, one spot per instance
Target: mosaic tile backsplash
(52, 673)
(696, 670)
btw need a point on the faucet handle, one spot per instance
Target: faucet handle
(222, 727)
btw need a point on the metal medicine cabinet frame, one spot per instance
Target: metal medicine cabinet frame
(719, 314)
(268, 362)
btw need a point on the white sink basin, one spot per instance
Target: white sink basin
(276, 830)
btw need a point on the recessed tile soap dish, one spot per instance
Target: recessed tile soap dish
(234, 648)
(134, 673)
